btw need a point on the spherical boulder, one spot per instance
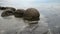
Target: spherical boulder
(31, 14)
(7, 12)
(19, 13)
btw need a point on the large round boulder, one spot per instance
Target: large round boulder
(19, 13)
(7, 12)
(31, 14)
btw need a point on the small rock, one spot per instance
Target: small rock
(19, 13)
(7, 12)
(11, 8)
(2, 8)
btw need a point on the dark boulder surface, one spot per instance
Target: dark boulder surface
(11, 8)
(2, 8)
(19, 13)
(31, 14)
(7, 12)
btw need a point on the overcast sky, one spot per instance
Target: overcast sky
(30, 3)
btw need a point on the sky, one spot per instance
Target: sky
(30, 3)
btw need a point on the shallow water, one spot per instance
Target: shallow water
(49, 14)
(10, 22)
(52, 19)
(13, 24)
